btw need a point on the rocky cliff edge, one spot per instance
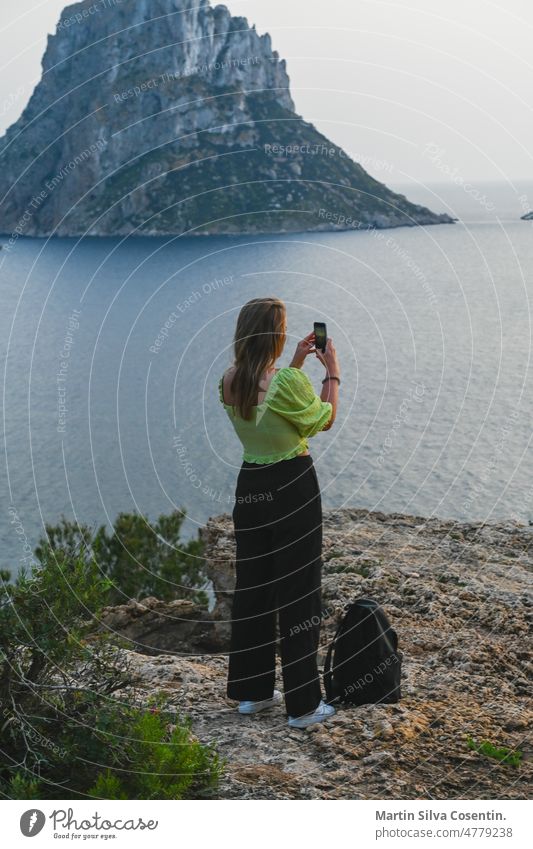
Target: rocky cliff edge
(459, 597)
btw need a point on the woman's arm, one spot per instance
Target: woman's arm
(330, 389)
(330, 392)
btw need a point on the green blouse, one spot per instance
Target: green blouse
(281, 424)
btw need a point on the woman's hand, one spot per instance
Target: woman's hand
(304, 347)
(329, 358)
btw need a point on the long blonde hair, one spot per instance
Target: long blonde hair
(258, 342)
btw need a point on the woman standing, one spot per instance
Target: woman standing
(277, 514)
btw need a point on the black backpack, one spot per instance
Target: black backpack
(366, 667)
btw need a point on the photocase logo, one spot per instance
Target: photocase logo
(32, 822)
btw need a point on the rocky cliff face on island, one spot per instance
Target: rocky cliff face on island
(459, 596)
(165, 117)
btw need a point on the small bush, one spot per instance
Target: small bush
(512, 757)
(64, 733)
(139, 559)
(163, 762)
(115, 751)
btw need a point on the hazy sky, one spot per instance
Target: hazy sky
(388, 81)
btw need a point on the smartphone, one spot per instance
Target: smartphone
(321, 336)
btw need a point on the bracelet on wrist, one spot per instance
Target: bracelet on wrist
(332, 377)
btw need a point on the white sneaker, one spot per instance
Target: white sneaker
(255, 707)
(321, 713)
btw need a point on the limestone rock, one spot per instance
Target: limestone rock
(161, 117)
(156, 627)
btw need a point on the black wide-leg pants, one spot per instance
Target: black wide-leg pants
(278, 530)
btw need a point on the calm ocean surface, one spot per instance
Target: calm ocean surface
(433, 328)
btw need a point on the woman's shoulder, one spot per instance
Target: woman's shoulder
(221, 383)
(228, 374)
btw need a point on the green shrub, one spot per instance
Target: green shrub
(164, 762)
(64, 731)
(511, 757)
(138, 558)
(110, 750)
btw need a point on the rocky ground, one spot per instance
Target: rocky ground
(458, 596)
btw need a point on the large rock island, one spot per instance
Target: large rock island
(459, 597)
(156, 117)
